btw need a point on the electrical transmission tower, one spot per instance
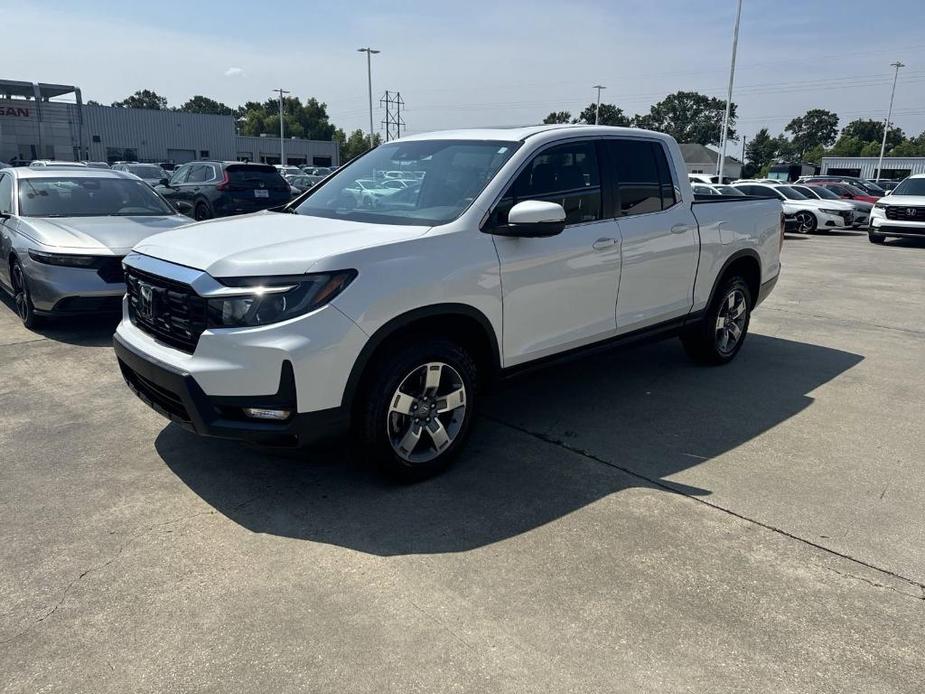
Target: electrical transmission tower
(392, 103)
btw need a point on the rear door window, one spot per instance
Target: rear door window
(642, 175)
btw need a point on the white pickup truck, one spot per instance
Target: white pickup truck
(392, 312)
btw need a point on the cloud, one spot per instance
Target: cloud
(234, 72)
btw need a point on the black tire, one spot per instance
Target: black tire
(807, 222)
(379, 426)
(21, 297)
(703, 341)
(876, 238)
(202, 211)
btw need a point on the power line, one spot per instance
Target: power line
(392, 102)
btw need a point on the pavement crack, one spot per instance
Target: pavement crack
(661, 484)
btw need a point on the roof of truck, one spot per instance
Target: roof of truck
(518, 134)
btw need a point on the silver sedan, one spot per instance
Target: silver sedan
(64, 232)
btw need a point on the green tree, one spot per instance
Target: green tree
(689, 117)
(354, 144)
(814, 155)
(144, 98)
(867, 130)
(558, 117)
(761, 149)
(309, 120)
(203, 104)
(816, 128)
(913, 147)
(847, 146)
(609, 115)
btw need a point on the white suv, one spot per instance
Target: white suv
(392, 312)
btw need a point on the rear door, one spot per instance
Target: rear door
(661, 243)
(559, 292)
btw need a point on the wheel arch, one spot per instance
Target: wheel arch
(746, 262)
(462, 322)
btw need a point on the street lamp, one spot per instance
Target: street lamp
(597, 110)
(369, 74)
(889, 114)
(732, 73)
(282, 158)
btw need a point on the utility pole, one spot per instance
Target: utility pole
(889, 114)
(282, 157)
(597, 109)
(744, 140)
(732, 72)
(369, 74)
(392, 102)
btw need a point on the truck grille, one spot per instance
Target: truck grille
(912, 214)
(170, 311)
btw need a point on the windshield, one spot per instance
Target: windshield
(790, 193)
(824, 193)
(64, 196)
(146, 171)
(441, 177)
(911, 186)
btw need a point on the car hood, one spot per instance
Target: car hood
(903, 200)
(104, 235)
(269, 243)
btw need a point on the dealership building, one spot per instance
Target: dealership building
(50, 121)
(896, 168)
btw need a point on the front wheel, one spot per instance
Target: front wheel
(719, 336)
(418, 408)
(21, 297)
(806, 222)
(876, 238)
(202, 212)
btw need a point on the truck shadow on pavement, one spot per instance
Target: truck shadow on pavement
(547, 444)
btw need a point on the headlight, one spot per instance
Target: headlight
(260, 301)
(64, 259)
(879, 205)
(837, 213)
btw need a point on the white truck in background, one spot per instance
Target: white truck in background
(389, 314)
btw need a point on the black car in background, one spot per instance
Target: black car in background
(210, 189)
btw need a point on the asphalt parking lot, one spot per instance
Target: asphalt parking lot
(627, 522)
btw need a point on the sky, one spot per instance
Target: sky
(482, 63)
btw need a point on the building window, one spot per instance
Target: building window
(203, 154)
(321, 161)
(96, 138)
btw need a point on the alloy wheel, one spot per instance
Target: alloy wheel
(806, 222)
(426, 412)
(730, 322)
(20, 294)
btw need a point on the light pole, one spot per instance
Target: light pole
(889, 114)
(597, 110)
(369, 74)
(732, 72)
(282, 157)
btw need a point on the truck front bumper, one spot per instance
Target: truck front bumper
(175, 394)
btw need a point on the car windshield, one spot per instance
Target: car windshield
(824, 193)
(790, 193)
(64, 196)
(911, 186)
(450, 174)
(146, 171)
(868, 188)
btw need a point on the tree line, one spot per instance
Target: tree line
(695, 117)
(308, 119)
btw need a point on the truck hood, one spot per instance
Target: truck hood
(115, 235)
(268, 243)
(903, 200)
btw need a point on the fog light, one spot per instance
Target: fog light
(262, 413)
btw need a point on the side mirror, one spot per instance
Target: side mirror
(164, 182)
(533, 219)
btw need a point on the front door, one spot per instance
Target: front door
(559, 292)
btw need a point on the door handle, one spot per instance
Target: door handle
(601, 244)
(680, 229)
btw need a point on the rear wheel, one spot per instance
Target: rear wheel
(876, 238)
(717, 338)
(806, 222)
(202, 211)
(21, 297)
(418, 408)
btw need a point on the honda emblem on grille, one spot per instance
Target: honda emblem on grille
(145, 301)
(910, 212)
